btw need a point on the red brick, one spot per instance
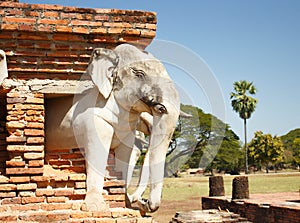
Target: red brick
(44, 192)
(32, 13)
(18, 20)
(29, 200)
(67, 29)
(35, 125)
(56, 199)
(8, 217)
(119, 197)
(35, 163)
(9, 27)
(34, 156)
(13, 200)
(3, 179)
(50, 14)
(15, 163)
(57, 216)
(8, 187)
(7, 194)
(24, 27)
(35, 100)
(35, 140)
(25, 179)
(80, 185)
(21, 148)
(63, 192)
(26, 194)
(81, 214)
(34, 132)
(54, 206)
(22, 171)
(82, 30)
(28, 186)
(117, 190)
(77, 177)
(115, 30)
(27, 207)
(15, 124)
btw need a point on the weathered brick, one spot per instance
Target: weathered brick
(56, 199)
(8, 217)
(16, 139)
(34, 156)
(34, 132)
(27, 207)
(116, 190)
(58, 216)
(23, 171)
(80, 185)
(15, 163)
(117, 197)
(3, 179)
(77, 177)
(28, 186)
(15, 124)
(12, 200)
(25, 179)
(35, 163)
(35, 125)
(29, 200)
(35, 140)
(26, 194)
(22, 148)
(7, 187)
(81, 214)
(35, 100)
(44, 192)
(63, 192)
(7, 194)
(54, 206)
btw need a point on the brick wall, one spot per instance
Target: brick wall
(254, 212)
(47, 41)
(54, 42)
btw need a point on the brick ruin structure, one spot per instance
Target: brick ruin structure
(47, 49)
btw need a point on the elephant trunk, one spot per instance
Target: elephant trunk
(162, 131)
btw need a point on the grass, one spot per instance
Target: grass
(184, 194)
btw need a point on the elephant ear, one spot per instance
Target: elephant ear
(101, 67)
(3, 67)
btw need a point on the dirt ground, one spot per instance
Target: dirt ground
(168, 209)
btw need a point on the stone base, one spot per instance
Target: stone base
(205, 216)
(68, 213)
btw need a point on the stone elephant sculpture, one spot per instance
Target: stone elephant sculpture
(144, 128)
(127, 82)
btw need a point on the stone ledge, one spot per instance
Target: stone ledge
(114, 215)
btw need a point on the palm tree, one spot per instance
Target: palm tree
(244, 105)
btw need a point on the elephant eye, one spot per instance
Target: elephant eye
(138, 73)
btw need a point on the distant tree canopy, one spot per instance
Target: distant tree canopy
(292, 147)
(266, 149)
(204, 141)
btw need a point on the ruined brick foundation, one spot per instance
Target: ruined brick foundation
(48, 49)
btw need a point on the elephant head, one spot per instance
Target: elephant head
(138, 82)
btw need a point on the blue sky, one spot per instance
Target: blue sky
(255, 40)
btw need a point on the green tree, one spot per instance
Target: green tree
(266, 149)
(244, 105)
(296, 151)
(203, 141)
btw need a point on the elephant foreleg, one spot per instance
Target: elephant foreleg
(96, 141)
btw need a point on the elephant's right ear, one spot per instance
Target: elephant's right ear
(102, 64)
